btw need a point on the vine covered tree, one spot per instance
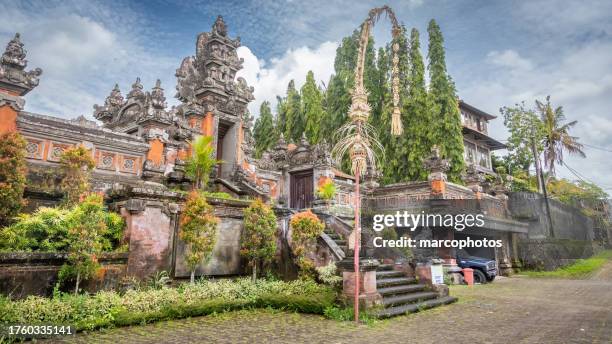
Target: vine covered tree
(446, 118)
(556, 135)
(200, 164)
(258, 242)
(77, 164)
(12, 176)
(264, 130)
(312, 108)
(418, 138)
(198, 230)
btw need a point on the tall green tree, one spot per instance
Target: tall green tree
(258, 243)
(264, 130)
(445, 109)
(525, 127)
(418, 136)
(312, 108)
(557, 139)
(295, 124)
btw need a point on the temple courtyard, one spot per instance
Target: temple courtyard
(511, 310)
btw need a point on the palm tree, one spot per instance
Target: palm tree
(556, 135)
(201, 163)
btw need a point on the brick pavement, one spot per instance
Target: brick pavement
(511, 310)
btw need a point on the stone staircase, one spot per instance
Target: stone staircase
(403, 295)
(340, 241)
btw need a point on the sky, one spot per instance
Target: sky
(498, 52)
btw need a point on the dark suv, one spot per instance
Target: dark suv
(485, 269)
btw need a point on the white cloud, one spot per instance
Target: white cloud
(509, 58)
(271, 78)
(82, 56)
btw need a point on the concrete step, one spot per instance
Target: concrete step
(384, 267)
(414, 307)
(334, 236)
(401, 299)
(340, 242)
(389, 273)
(401, 289)
(394, 281)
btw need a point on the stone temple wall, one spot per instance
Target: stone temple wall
(571, 237)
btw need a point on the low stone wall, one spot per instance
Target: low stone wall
(550, 254)
(28, 273)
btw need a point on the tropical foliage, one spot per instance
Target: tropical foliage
(201, 163)
(46, 230)
(556, 135)
(198, 230)
(258, 244)
(77, 164)
(110, 308)
(12, 176)
(85, 232)
(305, 228)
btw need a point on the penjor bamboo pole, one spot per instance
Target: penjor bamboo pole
(357, 245)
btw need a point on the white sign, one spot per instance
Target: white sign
(437, 274)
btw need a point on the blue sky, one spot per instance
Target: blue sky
(498, 52)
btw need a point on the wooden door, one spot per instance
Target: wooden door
(301, 190)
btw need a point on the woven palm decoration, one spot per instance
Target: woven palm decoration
(358, 137)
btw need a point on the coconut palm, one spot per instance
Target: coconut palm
(556, 135)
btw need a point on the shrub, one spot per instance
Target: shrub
(200, 164)
(106, 309)
(258, 242)
(86, 227)
(77, 164)
(327, 189)
(329, 275)
(46, 230)
(306, 227)
(12, 176)
(198, 230)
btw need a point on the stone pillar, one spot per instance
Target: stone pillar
(474, 180)
(437, 172)
(368, 293)
(15, 82)
(151, 215)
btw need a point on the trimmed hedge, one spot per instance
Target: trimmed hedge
(109, 308)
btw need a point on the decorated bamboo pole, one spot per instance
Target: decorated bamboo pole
(357, 137)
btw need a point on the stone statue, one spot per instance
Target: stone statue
(219, 27)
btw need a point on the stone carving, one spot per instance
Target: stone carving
(188, 77)
(219, 27)
(136, 92)
(436, 165)
(12, 68)
(139, 107)
(473, 179)
(15, 54)
(112, 104)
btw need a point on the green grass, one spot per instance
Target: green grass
(582, 268)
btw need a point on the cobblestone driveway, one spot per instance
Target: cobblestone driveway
(511, 310)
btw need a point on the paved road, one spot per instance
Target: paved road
(511, 310)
